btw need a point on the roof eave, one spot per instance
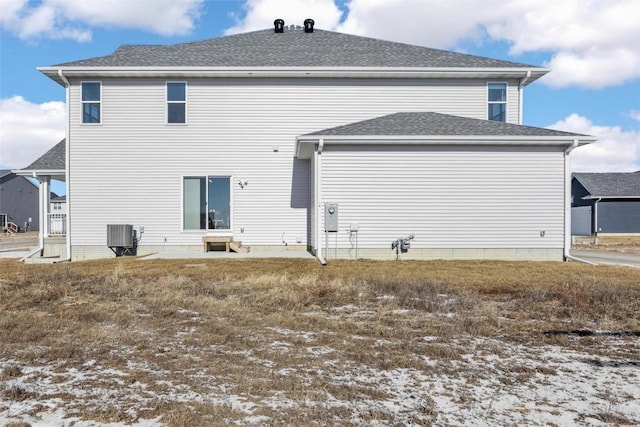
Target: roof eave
(305, 144)
(35, 173)
(533, 73)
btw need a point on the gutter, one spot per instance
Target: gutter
(295, 72)
(35, 251)
(67, 168)
(523, 82)
(318, 186)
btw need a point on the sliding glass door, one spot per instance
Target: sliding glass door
(206, 203)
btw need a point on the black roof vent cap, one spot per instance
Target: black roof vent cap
(278, 25)
(308, 25)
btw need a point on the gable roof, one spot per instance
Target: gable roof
(294, 49)
(610, 185)
(430, 128)
(429, 123)
(54, 159)
(52, 163)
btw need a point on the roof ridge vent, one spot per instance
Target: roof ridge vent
(308, 25)
(278, 25)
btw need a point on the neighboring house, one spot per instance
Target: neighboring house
(18, 202)
(58, 205)
(49, 166)
(224, 138)
(605, 203)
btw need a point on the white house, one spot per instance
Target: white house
(250, 137)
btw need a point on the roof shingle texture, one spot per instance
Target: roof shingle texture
(293, 48)
(610, 184)
(436, 124)
(54, 159)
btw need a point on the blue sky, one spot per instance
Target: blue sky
(592, 48)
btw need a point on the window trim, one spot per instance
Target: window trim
(207, 231)
(505, 102)
(167, 102)
(82, 103)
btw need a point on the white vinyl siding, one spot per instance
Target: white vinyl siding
(130, 169)
(450, 197)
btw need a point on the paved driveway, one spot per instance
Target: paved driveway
(607, 257)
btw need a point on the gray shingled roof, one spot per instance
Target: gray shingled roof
(54, 159)
(293, 48)
(610, 185)
(436, 124)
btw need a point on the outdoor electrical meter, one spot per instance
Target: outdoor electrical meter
(331, 217)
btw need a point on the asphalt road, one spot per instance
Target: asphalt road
(607, 257)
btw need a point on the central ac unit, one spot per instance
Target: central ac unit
(120, 235)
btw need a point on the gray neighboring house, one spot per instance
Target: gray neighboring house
(49, 166)
(222, 140)
(18, 202)
(605, 203)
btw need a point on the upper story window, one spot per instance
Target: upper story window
(91, 100)
(497, 102)
(176, 102)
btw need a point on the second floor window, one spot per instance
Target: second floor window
(91, 100)
(497, 102)
(176, 102)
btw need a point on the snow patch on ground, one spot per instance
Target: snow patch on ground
(492, 382)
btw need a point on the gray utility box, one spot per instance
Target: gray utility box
(331, 217)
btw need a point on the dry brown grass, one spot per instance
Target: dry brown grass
(250, 332)
(619, 243)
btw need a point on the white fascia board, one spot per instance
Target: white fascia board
(33, 173)
(297, 72)
(306, 144)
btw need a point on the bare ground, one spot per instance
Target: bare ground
(287, 342)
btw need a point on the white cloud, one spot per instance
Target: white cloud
(590, 43)
(71, 19)
(260, 14)
(28, 130)
(615, 151)
(635, 115)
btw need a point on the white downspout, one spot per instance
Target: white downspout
(567, 205)
(523, 82)
(595, 217)
(42, 218)
(317, 157)
(67, 166)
